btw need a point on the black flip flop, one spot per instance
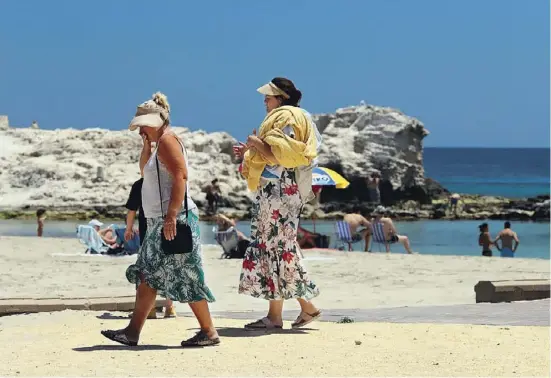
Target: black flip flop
(119, 337)
(201, 339)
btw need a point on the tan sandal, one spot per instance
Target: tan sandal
(305, 318)
(264, 323)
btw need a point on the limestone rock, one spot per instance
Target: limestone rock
(71, 168)
(96, 167)
(365, 138)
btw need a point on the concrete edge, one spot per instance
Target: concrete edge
(19, 306)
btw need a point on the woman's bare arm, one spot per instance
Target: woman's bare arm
(171, 155)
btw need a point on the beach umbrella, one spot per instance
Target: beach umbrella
(322, 176)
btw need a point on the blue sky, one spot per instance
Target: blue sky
(476, 72)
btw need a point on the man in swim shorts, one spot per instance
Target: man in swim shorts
(508, 237)
(391, 234)
(360, 228)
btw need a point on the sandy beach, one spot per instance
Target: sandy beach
(68, 343)
(33, 267)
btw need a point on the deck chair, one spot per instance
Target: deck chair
(344, 236)
(231, 245)
(88, 236)
(378, 237)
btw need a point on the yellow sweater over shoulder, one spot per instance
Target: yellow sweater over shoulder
(289, 152)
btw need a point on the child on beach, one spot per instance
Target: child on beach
(40, 217)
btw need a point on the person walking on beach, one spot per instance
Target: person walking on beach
(355, 221)
(134, 205)
(179, 277)
(278, 167)
(509, 241)
(40, 217)
(485, 240)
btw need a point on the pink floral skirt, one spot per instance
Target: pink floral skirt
(272, 267)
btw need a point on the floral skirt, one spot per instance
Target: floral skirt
(178, 277)
(272, 267)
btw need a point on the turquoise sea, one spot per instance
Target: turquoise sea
(434, 237)
(513, 172)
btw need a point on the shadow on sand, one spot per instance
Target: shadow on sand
(222, 332)
(138, 348)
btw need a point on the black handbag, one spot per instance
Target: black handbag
(183, 241)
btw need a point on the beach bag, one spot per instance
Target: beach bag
(183, 242)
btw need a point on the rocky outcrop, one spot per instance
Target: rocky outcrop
(474, 207)
(84, 173)
(87, 169)
(365, 138)
(95, 168)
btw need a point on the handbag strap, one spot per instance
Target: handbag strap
(159, 182)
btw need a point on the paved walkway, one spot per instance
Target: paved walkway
(528, 313)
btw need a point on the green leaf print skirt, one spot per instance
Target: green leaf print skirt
(178, 277)
(272, 267)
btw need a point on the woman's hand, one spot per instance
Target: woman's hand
(239, 150)
(253, 141)
(169, 227)
(128, 233)
(146, 141)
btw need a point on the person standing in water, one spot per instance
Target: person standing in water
(485, 240)
(40, 217)
(509, 241)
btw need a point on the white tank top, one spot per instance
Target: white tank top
(151, 201)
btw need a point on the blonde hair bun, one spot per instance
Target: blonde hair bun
(161, 100)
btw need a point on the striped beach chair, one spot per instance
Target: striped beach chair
(343, 236)
(88, 236)
(378, 236)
